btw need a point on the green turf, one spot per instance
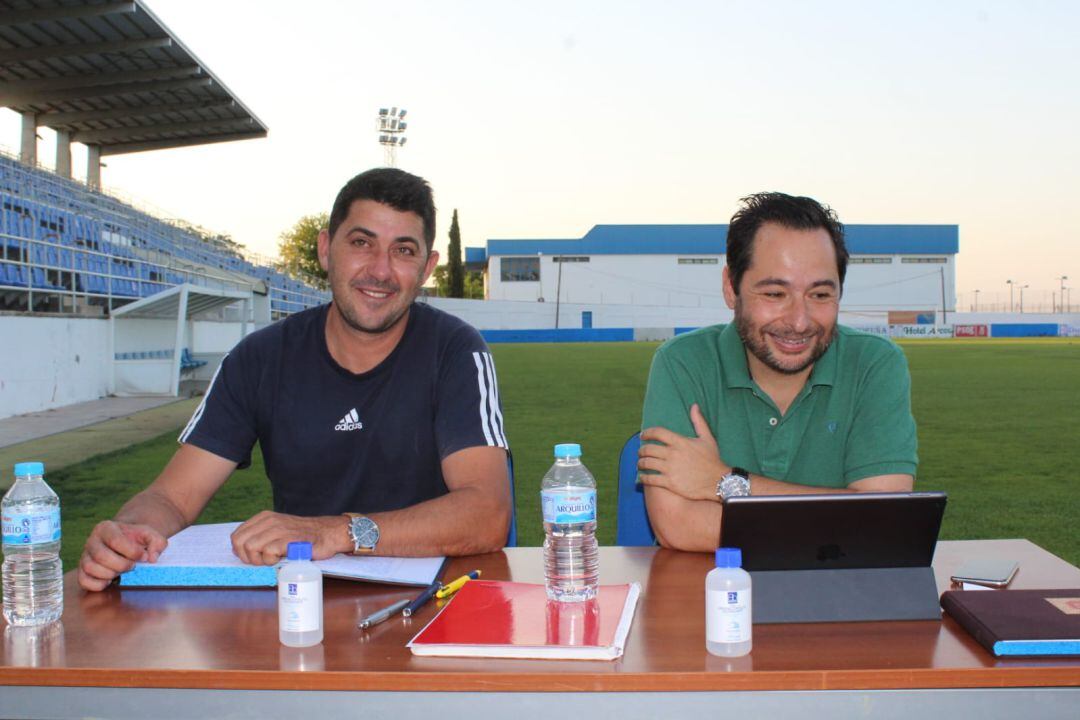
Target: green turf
(999, 430)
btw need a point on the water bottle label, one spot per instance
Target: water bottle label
(298, 605)
(31, 528)
(727, 616)
(568, 506)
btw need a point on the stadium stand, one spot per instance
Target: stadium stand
(65, 247)
(113, 77)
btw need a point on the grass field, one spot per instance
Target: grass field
(999, 430)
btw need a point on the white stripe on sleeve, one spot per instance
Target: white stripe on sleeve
(496, 412)
(481, 381)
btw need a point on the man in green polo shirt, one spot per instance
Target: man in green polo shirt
(783, 401)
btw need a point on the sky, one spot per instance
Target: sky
(542, 119)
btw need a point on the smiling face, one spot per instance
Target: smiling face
(376, 261)
(788, 299)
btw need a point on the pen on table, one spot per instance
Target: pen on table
(453, 587)
(379, 615)
(421, 599)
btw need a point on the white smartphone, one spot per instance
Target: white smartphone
(989, 572)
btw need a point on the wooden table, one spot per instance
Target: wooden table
(208, 653)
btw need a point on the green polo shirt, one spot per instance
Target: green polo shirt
(852, 419)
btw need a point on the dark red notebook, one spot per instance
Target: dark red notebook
(1019, 622)
(490, 618)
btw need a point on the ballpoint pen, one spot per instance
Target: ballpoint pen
(421, 599)
(378, 616)
(453, 587)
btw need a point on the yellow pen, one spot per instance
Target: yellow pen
(456, 585)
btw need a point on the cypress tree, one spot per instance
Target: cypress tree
(455, 267)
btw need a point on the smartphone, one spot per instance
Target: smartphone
(989, 572)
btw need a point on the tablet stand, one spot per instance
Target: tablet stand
(850, 595)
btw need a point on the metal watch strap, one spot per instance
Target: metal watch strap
(733, 484)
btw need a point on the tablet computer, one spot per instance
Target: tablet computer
(833, 531)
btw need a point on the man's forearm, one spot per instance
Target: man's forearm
(463, 522)
(153, 509)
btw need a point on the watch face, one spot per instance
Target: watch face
(365, 532)
(734, 486)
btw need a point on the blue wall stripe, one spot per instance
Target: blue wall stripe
(1024, 330)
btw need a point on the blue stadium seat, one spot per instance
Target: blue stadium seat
(632, 525)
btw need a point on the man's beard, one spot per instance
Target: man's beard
(753, 339)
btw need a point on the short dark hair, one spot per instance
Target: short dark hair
(794, 213)
(400, 190)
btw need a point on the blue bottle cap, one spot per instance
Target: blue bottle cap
(299, 551)
(728, 558)
(567, 450)
(29, 468)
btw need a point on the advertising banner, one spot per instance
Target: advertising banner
(971, 330)
(921, 331)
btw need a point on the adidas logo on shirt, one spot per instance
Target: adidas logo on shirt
(351, 421)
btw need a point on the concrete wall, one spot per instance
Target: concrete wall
(50, 362)
(663, 281)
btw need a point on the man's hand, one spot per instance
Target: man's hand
(265, 538)
(114, 548)
(688, 467)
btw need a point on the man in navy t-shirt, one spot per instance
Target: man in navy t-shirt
(378, 418)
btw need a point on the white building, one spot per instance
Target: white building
(893, 268)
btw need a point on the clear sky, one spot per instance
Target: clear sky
(539, 120)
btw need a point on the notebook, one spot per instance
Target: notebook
(202, 556)
(1019, 622)
(490, 618)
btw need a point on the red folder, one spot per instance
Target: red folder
(490, 618)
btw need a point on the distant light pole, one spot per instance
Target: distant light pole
(391, 127)
(1010, 284)
(1022, 298)
(1062, 279)
(976, 300)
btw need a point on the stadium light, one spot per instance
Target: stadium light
(1010, 284)
(976, 300)
(390, 126)
(1022, 298)
(1062, 280)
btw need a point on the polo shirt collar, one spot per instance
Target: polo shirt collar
(824, 372)
(737, 373)
(733, 359)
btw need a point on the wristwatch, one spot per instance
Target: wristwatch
(734, 484)
(364, 533)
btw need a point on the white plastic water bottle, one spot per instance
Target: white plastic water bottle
(300, 603)
(568, 500)
(728, 621)
(33, 575)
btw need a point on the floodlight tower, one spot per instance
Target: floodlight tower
(391, 127)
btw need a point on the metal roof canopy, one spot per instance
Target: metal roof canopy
(166, 304)
(179, 304)
(112, 75)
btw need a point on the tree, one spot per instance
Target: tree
(439, 278)
(455, 269)
(474, 285)
(298, 249)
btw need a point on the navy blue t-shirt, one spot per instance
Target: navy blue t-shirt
(334, 441)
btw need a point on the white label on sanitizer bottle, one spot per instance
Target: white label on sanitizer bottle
(728, 619)
(298, 607)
